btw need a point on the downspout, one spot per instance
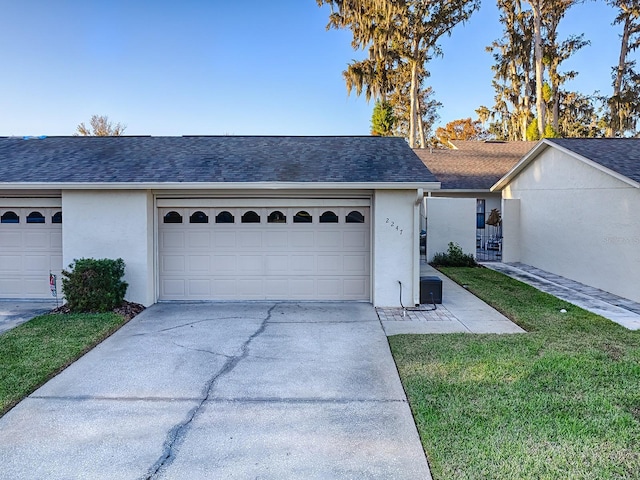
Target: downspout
(416, 245)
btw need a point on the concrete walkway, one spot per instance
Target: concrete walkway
(460, 312)
(620, 310)
(223, 391)
(15, 312)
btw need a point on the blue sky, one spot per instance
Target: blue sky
(239, 68)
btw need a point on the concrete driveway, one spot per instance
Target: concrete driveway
(223, 391)
(15, 312)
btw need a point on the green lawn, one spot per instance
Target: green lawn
(35, 351)
(559, 402)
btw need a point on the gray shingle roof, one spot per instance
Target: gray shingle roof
(473, 165)
(210, 159)
(622, 155)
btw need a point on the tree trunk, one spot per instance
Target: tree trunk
(413, 99)
(524, 117)
(423, 140)
(615, 123)
(413, 93)
(526, 102)
(555, 94)
(556, 109)
(536, 7)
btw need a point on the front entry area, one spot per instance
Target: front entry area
(287, 250)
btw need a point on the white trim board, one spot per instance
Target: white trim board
(261, 202)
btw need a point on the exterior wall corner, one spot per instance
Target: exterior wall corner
(395, 248)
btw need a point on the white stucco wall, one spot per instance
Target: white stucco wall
(112, 224)
(396, 228)
(492, 199)
(450, 220)
(511, 230)
(578, 222)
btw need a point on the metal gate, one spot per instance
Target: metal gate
(488, 234)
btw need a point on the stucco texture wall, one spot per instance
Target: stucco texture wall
(492, 200)
(112, 224)
(396, 253)
(577, 221)
(450, 220)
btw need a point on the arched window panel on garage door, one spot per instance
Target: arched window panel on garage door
(311, 259)
(35, 217)
(329, 217)
(199, 217)
(225, 217)
(302, 217)
(57, 217)
(9, 217)
(277, 217)
(354, 217)
(173, 217)
(250, 217)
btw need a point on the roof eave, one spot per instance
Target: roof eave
(464, 190)
(542, 145)
(219, 185)
(518, 167)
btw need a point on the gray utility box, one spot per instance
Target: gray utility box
(430, 290)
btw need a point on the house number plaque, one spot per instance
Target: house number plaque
(392, 224)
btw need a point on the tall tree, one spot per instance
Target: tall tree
(546, 18)
(425, 22)
(624, 103)
(428, 115)
(100, 126)
(400, 35)
(372, 29)
(537, 8)
(580, 116)
(513, 77)
(527, 76)
(556, 52)
(483, 116)
(382, 120)
(462, 129)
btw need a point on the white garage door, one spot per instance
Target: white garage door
(252, 253)
(30, 248)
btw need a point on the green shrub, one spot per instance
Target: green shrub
(93, 285)
(454, 257)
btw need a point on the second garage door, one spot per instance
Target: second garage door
(252, 253)
(30, 249)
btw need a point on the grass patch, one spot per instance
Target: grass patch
(562, 401)
(37, 350)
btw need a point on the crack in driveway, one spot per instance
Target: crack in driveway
(210, 352)
(191, 324)
(177, 434)
(218, 354)
(182, 325)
